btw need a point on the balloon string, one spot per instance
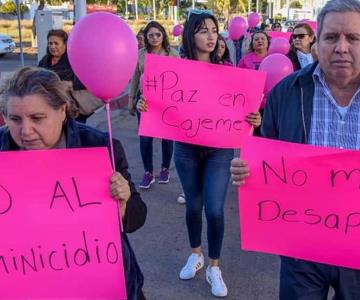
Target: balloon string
(107, 107)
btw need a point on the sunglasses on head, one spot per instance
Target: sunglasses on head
(153, 35)
(301, 36)
(199, 12)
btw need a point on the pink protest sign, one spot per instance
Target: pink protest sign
(275, 34)
(301, 201)
(199, 103)
(59, 226)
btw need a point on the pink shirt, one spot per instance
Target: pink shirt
(250, 61)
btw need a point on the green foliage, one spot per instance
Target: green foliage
(296, 4)
(9, 8)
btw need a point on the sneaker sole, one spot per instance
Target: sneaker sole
(163, 181)
(145, 187)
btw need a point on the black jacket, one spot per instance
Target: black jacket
(63, 69)
(82, 136)
(289, 107)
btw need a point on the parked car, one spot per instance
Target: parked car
(7, 45)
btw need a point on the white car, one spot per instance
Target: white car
(7, 45)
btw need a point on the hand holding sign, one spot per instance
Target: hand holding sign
(120, 190)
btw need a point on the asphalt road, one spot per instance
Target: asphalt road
(162, 245)
(10, 62)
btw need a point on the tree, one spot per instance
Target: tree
(9, 8)
(295, 4)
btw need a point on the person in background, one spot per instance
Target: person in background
(259, 46)
(141, 39)
(302, 38)
(57, 60)
(40, 116)
(290, 29)
(156, 42)
(223, 52)
(276, 27)
(318, 105)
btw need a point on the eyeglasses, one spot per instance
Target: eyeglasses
(199, 12)
(301, 36)
(153, 35)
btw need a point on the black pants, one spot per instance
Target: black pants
(304, 280)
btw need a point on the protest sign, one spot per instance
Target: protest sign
(196, 102)
(59, 226)
(301, 201)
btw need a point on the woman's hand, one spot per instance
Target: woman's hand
(120, 190)
(254, 119)
(239, 171)
(141, 105)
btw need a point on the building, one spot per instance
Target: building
(309, 10)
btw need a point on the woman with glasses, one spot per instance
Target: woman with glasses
(156, 42)
(303, 38)
(276, 27)
(259, 46)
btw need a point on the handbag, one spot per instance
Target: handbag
(86, 102)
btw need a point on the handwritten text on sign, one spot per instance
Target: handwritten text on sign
(197, 102)
(301, 201)
(59, 226)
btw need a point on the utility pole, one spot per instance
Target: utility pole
(193, 4)
(126, 9)
(20, 36)
(154, 9)
(80, 9)
(136, 10)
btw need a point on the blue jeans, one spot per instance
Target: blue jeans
(305, 280)
(204, 174)
(146, 150)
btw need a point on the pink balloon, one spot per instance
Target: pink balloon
(177, 30)
(279, 45)
(253, 19)
(102, 50)
(237, 28)
(277, 66)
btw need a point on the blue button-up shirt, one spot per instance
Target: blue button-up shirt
(331, 124)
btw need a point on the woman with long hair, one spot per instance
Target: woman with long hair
(223, 51)
(156, 42)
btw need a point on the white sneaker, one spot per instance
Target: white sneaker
(214, 278)
(181, 199)
(194, 263)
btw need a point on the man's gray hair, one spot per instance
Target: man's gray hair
(336, 6)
